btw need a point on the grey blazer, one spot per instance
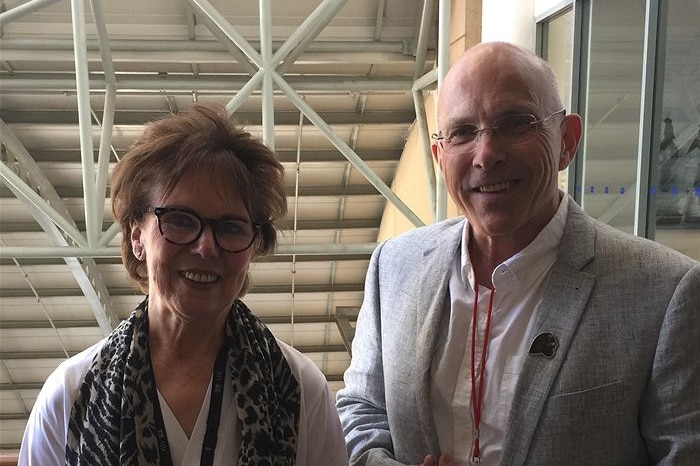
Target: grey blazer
(622, 389)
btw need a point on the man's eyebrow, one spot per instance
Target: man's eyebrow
(462, 120)
(459, 122)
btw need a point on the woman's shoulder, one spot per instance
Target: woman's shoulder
(72, 371)
(300, 363)
(45, 433)
(321, 439)
(306, 372)
(61, 387)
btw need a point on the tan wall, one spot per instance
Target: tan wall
(465, 27)
(410, 181)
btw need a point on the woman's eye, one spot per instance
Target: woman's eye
(180, 220)
(231, 227)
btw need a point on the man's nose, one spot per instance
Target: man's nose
(487, 150)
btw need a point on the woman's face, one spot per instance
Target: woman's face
(198, 280)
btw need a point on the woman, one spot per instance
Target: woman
(192, 376)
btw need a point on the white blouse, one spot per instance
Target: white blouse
(320, 439)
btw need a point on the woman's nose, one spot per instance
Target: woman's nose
(206, 243)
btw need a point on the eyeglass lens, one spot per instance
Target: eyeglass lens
(508, 128)
(511, 129)
(181, 227)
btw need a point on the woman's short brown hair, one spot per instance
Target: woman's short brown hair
(203, 140)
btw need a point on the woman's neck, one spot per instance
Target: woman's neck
(184, 339)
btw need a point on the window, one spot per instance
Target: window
(675, 182)
(597, 51)
(556, 42)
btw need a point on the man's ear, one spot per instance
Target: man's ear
(571, 136)
(437, 156)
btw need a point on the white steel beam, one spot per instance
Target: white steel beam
(51, 214)
(426, 19)
(53, 252)
(21, 45)
(268, 106)
(25, 180)
(248, 88)
(204, 10)
(344, 149)
(24, 9)
(59, 83)
(108, 112)
(305, 34)
(85, 120)
(444, 17)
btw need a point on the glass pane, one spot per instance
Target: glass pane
(612, 115)
(558, 54)
(676, 190)
(559, 44)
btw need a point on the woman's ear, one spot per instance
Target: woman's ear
(137, 247)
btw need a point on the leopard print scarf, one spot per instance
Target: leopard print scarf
(113, 420)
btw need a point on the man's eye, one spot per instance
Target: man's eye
(463, 133)
(515, 124)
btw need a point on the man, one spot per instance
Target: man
(581, 345)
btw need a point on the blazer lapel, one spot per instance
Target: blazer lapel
(562, 305)
(432, 291)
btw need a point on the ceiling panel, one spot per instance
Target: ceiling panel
(355, 76)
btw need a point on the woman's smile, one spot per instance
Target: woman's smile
(200, 277)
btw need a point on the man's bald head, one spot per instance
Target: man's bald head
(488, 63)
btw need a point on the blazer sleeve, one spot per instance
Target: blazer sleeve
(361, 403)
(670, 417)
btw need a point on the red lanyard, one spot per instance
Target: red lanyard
(477, 398)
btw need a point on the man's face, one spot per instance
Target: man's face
(506, 186)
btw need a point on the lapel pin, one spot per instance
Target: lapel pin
(544, 344)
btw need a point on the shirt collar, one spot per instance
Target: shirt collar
(539, 255)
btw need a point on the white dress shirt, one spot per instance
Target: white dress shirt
(519, 284)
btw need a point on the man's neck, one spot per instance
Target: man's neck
(486, 254)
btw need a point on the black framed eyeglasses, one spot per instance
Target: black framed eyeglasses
(511, 129)
(183, 227)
